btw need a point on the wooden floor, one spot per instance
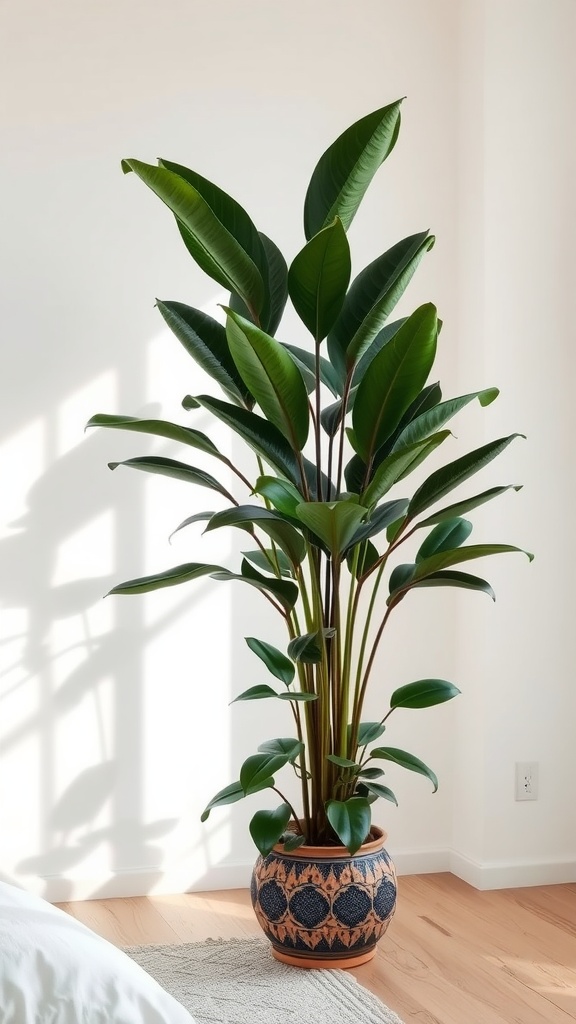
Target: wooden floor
(453, 955)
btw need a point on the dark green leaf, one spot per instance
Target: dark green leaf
(335, 522)
(271, 375)
(263, 437)
(259, 692)
(397, 466)
(277, 284)
(282, 746)
(424, 693)
(266, 827)
(342, 762)
(159, 428)
(259, 767)
(306, 648)
(293, 843)
(401, 576)
(269, 560)
(452, 578)
(297, 696)
(285, 592)
(276, 662)
(431, 421)
(189, 403)
(176, 470)
(205, 340)
(377, 790)
(370, 773)
(200, 517)
(368, 556)
(444, 559)
(346, 169)
(307, 362)
(381, 339)
(282, 494)
(368, 732)
(371, 299)
(230, 795)
(168, 578)
(318, 279)
(455, 473)
(397, 375)
(459, 507)
(405, 760)
(272, 523)
(350, 820)
(449, 534)
(381, 517)
(212, 246)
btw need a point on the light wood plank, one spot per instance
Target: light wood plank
(453, 955)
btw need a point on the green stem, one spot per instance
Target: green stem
(292, 811)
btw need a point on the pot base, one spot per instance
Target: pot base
(323, 963)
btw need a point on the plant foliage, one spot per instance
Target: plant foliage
(334, 425)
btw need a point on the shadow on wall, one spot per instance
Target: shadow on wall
(73, 697)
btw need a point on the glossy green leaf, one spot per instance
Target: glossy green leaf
(377, 790)
(212, 246)
(460, 507)
(335, 522)
(236, 221)
(158, 428)
(376, 346)
(205, 340)
(307, 361)
(370, 773)
(269, 560)
(453, 578)
(282, 746)
(293, 843)
(276, 282)
(271, 375)
(199, 517)
(263, 437)
(397, 375)
(431, 420)
(176, 470)
(372, 297)
(400, 577)
(455, 473)
(168, 578)
(284, 591)
(306, 648)
(368, 732)
(405, 760)
(444, 559)
(257, 768)
(367, 557)
(272, 523)
(259, 692)
(350, 820)
(280, 493)
(230, 795)
(298, 696)
(267, 827)
(346, 169)
(398, 465)
(318, 278)
(342, 762)
(424, 693)
(380, 518)
(277, 663)
(449, 534)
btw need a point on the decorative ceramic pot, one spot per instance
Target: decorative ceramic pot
(320, 907)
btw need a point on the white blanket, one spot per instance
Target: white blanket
(54, 970)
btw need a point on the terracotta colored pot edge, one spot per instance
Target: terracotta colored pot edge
(334, 852)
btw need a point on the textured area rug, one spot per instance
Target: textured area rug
(239, 982)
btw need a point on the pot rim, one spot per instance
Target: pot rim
(335, 852)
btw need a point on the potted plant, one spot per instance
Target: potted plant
(334, 427)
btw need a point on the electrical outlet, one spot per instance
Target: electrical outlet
(526, 780)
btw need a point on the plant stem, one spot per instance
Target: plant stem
(292, 811)
(345, 397)
(317, 426)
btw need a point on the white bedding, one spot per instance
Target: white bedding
(54, 970)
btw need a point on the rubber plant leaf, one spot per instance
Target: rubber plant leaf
(318, 278)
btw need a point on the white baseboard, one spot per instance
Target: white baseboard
(511, 874)
(490, 875)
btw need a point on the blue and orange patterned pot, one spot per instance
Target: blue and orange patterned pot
(320, 907)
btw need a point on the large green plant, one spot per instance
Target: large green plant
(318, 505)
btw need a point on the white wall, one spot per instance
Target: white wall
(107, 751)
